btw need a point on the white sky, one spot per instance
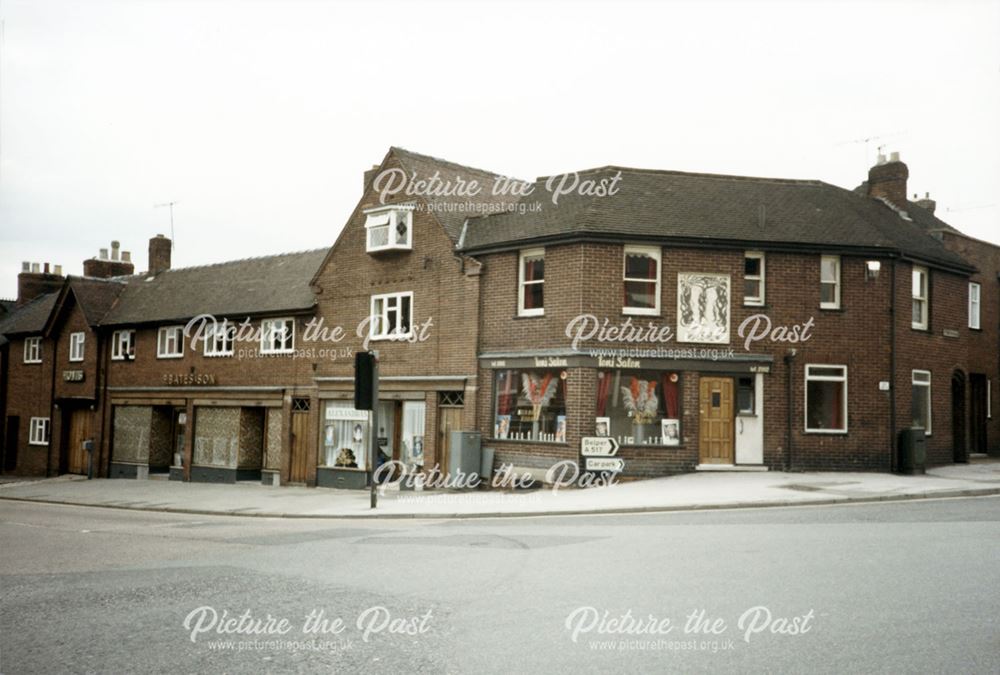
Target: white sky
(259, 118)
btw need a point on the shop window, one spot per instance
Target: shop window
(642, 280)
(33, 350)
(531, 283)
(826, 399)
(346, 434)
(412, 440)
(753, 278)
(38, 432)
(277, 336)
(829, 282)
(639, 407)
(530, 405)
(921, 381)
(76, 343)
(745, 395)
(919, 293)
(123, 345)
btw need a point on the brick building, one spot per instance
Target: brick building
(703, 321)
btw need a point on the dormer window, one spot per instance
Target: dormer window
(389, 228)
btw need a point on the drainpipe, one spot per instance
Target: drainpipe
(52, 395)
(789, 360)
(892, 365)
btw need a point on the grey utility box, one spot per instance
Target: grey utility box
(464, 453)
(912, 450)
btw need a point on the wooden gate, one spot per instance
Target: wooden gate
(79, 431)
(298, 468)
(449, 419)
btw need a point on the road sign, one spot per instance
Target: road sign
(598, 446)
(615, 464)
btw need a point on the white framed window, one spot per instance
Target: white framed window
(123, 345)
(921, 380)
(826, 399)
(829, 282)
(919, 293)
(531, 282)
(219, 337)
(974, 293)
(277, 336)
(642, 280)
(38, 432)
(170, 342)
(391, 316)
(76, 343)
(753, 278)
(389, 228)
(33, 350)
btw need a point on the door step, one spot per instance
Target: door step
(731, 467)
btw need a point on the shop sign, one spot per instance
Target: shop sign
(185, 379)
(333, 413)
(598, 446)
(760, 369)
(73, 376)
(614, 464)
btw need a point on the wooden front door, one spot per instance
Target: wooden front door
(79, 431)
(449, 419)
(716, 420)
(300, 441)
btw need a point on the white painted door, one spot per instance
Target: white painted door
(750, 426)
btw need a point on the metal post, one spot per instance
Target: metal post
(373, 432)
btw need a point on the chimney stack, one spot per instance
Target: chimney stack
(104, 267)
(925, 203)
(159, 254)
(32, 283)
(887, 179)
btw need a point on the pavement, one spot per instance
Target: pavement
(694, 491)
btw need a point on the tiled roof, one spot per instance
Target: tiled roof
(276, 283)
(29, 317)
(705, 208)
(96, 296)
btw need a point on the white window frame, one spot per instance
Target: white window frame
(754, 301)
(975, 305)
(267, 334)
(219, 338)
(33, 350)
(389, 217)
(77, 346)
(521, 283)
(914, 382)
(375, 322)
(38, 431)
(922, 297)
(824, 378)
(657, 253)
(835, 304)
(167, 336)
(123, 345)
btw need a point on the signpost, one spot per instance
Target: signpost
(598, 446)
(614, 464)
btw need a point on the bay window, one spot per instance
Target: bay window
(389, 228)
(530, 405)
(919, 293)
(642, 280)
(639, 407)
(826, 399)
(531, 283)
(921, 381)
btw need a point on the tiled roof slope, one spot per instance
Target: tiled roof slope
(706, 207)
(268, 284)
(28, 318)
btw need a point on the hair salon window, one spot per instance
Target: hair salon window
(639, 407)
(530, 405)
(345, 434)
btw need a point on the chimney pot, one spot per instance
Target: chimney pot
(25, 266)
(34, 268)
(894, 157)
(126, 256)
(114, 249)
(45, 268)
(58, 269)
(102, 254)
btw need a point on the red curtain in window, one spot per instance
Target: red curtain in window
(506, 394)
(603, 387)
(670, 395)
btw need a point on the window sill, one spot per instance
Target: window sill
(639, 312)
(922, 329)
(634, 446)
(826, 432)
(529, 315)
(76, 360)
(222, 356)
(32, 363)
(758, 305)
(36, 443)
(276, 352)
(527, 441)
(169, 356)
(831, 309)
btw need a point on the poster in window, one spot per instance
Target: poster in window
(670, 431)
(602, 426)
(503, 426)
(560, 429)
(703, 308)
